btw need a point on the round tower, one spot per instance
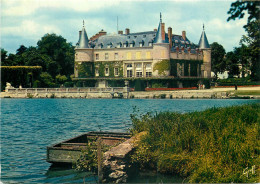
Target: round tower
(206, 51)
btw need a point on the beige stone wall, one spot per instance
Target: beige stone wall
(206, 67)
(187, 56)
(126, 54)
(83, 55)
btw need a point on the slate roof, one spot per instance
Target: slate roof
(158, 38)
(203, 43)
(83, 40)
(140, 39)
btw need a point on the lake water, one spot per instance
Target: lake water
(28, 126)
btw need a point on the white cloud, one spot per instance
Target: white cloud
(29, 28)
(28, 7)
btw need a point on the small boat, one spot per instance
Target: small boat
(70, 150)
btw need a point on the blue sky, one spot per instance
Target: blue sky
(26, 21)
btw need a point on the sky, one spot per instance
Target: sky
(25, 22)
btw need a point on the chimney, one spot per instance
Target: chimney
(127, 31)
(102, 32)
(120, 32)
(184, 35)
(163, 31)
(79, 33)
(155, 29)
(170, 36)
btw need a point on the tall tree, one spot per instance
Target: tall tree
(232, 64)
(3, 57)
(60, 52)
(252, 39)
(218, 63)
(21, 50)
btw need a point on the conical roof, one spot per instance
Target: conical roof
(83, 39)
(158, 38)
(203, 43)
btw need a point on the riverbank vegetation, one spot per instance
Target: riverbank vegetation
(219, 145)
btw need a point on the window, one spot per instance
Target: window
(148, 55)
(96, 72)
(131, 44)
(148, 69)
(129, 73)
(150, 44)
(97, 56)
(139, 70)
(116, 71)
(106, 56)
(116, 55)
(148, 74)
(129, 69)
(138, 74)
(106, 71)
(129, 55)
(118, 45)
(138, 55)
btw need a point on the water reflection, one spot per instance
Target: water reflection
(67, 174)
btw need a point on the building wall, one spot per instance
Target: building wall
(142, 61)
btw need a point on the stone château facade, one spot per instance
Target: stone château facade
(145, 55)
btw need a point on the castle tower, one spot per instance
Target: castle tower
(83, 51)
(161, 50)
(206, 51)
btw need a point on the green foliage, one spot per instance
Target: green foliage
(61, 79)
(19, 75)
(236, 81)
(218, 63)
(88, 158)
(53, 54)
(139, 85)
(111, 65)
(86, 69)
(193, 66)
(162, 66)
(213, 146)
(46, 80)
(252, 39)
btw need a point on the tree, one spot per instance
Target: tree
(3, 57)
(252, 39)
(46, 80)
(60, 52)
(218, 63)
(232, 64)
(21, 50)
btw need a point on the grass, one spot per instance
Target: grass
(215, 145)
(247, 92)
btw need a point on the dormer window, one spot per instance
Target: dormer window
(144, 36)
(132, 44)
(119, 45)
(109, 45)
(135, 36)
(141, 44)
(128, 37)
(100, 46)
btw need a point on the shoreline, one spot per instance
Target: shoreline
(110, 93)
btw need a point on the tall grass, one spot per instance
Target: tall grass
(215, 145)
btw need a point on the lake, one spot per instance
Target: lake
(28, 126)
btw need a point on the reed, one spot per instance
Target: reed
(217, 145)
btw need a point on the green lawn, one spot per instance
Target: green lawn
(247, 92)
